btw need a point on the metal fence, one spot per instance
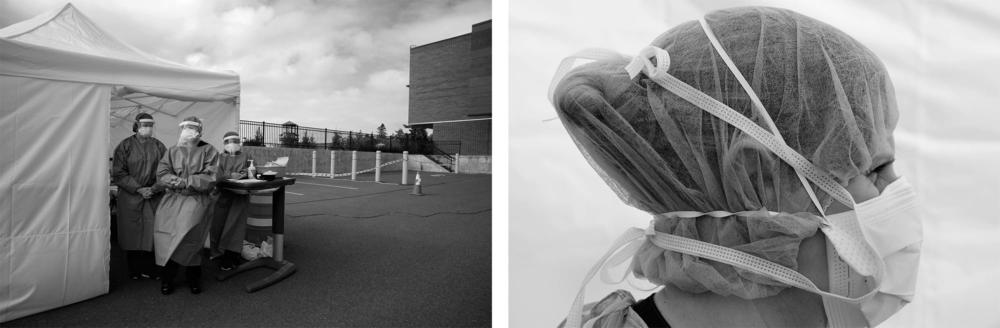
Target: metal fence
(290, 135)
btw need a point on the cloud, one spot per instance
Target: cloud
(328, 64)
(392, 79)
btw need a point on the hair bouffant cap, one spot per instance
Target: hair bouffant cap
(829, 96)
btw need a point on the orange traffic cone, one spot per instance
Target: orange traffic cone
(416, 187)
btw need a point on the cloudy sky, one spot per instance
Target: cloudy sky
(329, 64)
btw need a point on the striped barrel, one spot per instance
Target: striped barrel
(259, 217)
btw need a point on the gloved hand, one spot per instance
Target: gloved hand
(146, 192)
(178, 183)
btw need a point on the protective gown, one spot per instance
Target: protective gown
(184, 215)
(229, 225)
(134, 167)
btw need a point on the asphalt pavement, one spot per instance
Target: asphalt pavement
(368, 254)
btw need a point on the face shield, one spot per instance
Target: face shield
(232, 144)
(190, 131)
(144, 127)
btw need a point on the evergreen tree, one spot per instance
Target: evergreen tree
(381, 135)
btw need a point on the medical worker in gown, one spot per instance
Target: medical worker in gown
(185, 212)
(134, 172)
(230, 222)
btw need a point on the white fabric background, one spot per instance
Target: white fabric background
(54, 215)
(942, 57)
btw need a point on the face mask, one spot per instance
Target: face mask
(232, 148)
(189, 135)
(145, 131)
(891, 224)
(873, 250)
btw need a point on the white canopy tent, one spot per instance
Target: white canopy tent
(62, 81)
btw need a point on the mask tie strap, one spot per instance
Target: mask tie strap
(741, 260)
(767, 139)
(759, 106)
(627, 242)
(567, 64)
(641, 63)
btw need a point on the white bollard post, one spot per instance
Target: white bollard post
(378, 164)
(332, 161)
(354, 165)
(456, 163)
(405, 163)
(314, 164)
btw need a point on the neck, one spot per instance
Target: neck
(707, 309)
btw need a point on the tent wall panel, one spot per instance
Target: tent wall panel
(56, 193)
(8, 103)
(86, 266)
(6, 297)
(38, 273)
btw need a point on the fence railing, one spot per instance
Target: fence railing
(294, 136)
(442, 153)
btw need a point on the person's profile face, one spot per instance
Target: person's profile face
(866, 187)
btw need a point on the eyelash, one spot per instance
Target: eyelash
(880, 167)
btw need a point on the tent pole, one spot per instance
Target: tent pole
(143, 105)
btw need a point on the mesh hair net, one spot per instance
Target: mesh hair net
(829, 96)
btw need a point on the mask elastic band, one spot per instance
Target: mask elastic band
(759, 106)
(767, 139)
(631, 237)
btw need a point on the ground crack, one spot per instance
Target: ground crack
(392, 213)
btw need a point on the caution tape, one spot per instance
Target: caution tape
(390, 163)
(348, 173)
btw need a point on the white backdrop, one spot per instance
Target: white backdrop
(942, 57)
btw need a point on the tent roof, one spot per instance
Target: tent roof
(69, 29)
(65, 45)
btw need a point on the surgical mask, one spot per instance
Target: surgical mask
(873, 250)
(145, 131)
(189, 135)
(232, 148)
(891, 224)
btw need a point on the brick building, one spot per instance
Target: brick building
(450, 91)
